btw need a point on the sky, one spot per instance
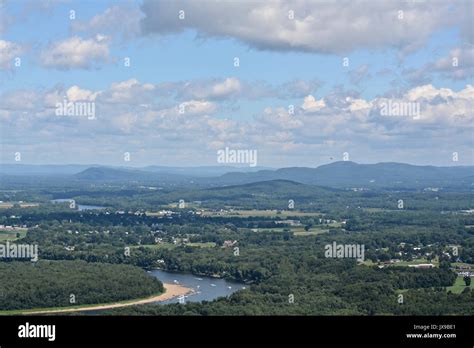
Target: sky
(300, 83)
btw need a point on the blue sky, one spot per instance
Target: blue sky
(402, 57)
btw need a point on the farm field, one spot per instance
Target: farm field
(458, 286)
(261, 213)
(417, 262)
(12, 235)
(298, 231)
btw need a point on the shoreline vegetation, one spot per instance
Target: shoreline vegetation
(171, 291)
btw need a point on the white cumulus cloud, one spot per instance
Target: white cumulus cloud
(76, 52)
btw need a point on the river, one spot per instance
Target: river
(80, 207)
(205, 288)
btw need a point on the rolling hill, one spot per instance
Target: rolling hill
(351, 174)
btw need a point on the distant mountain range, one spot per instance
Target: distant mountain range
(351, 174)
(47, 169)
(343, 174)
(202, 171)
(57, 169)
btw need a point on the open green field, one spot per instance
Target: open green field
(312, 232)
(156, 246)
(401, 291)
(417, 262)
(11, 235)
(404, 263)
(260, 213)
(202, 245)
(458, 286)
(298, 231)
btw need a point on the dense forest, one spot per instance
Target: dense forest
(44, 284)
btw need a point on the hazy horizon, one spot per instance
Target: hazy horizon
(241, 166)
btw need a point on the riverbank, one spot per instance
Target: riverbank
(171, 291)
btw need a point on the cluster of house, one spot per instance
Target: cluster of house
(288, 222)
(432, 189)
(422, 265)
(393, 262)
(329, 221)
(467, 211)
(178, 241)
(222, 211)
(465, 274)
(464, 270)
(452, 251)
(11, 227)
(90, 232)
(166, 212)
(229, 243)
(159, 213)
(360, 189)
